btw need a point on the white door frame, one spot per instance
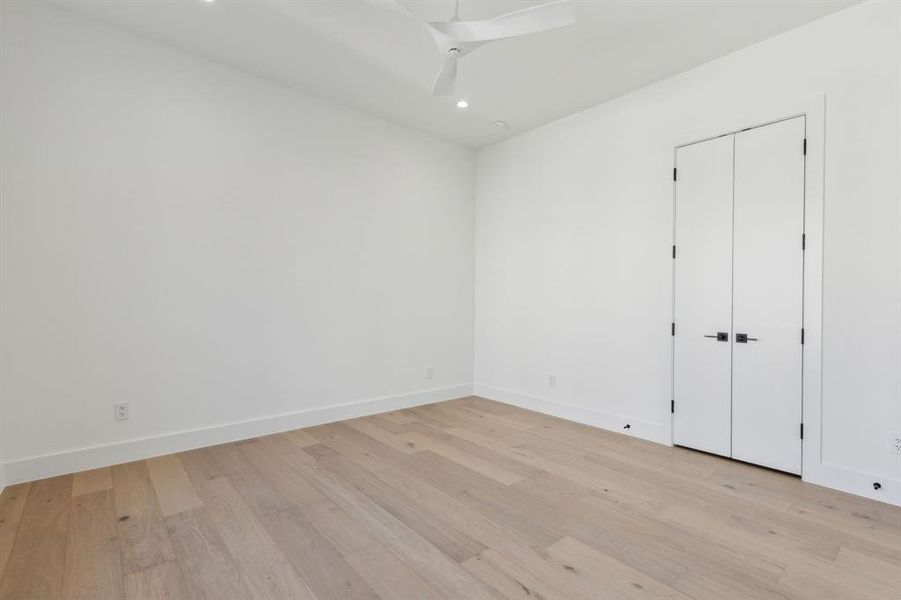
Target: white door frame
(811, 370)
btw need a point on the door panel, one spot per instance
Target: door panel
(767, 297)
(703, 296)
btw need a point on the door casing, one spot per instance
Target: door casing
(813, 107)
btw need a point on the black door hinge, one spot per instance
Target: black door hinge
(674, 173)
(674, 251)
(802, 335)
(802, 431)
(672, 406)
(673, 329)
(805, 146)
(803, 241)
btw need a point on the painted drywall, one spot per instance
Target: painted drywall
(235, 258)
(574, 226)
(2, 459)
(212, 248)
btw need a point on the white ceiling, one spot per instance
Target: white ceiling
(358, 54)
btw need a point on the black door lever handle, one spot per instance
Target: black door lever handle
(742, 338)
(721, 336)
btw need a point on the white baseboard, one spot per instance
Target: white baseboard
(654, 432)
(855, 482)
(92, 457)
(842, 479)
(80, 459)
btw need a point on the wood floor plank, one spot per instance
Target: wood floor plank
(387, 453)
(867, 566)
(481, 418)
(573, 582)
(174, 490)
(143, 539)
(267, 572)
(389, 576)
(208, 569)
(693, 564)
(828, 580)
(454, 514)
(569, 464)
(296, 489)
(339, 529)
(95, 480)
(509, 542)
(610, 574)
(480, 451)
(464, 499)
(321, 566)
(514, 513)
(446, 475)
(506, 585)
(200, 465)
(384, 436)
(766, 548)
(161, 582)
(382, 423)
(443, 574)
(426, 415)
(93, 562)
(662, 550)
(400, 417)
(454, 543)
(880, 542)
(470, 461)
(318, 563)
(12, 505)
(761, 535)
(339, 438)
(301, 437)
(841, 510)
(537, 585)
(37, 564)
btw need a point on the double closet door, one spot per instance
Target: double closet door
(739, 271)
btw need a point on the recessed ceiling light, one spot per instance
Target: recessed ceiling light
(500, 124)
(461, 104)
(210, 0)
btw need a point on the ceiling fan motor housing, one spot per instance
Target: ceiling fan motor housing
(456, 37)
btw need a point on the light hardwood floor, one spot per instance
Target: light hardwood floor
(467, 499)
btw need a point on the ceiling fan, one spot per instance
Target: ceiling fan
(456, 38)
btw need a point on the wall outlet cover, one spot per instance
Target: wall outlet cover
(895, 442)
(122, 411)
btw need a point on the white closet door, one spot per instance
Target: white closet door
(767, 307)
(703, 296)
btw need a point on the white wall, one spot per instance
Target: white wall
(2, 461)
(213, 249)
(574, 226)
(233, 257)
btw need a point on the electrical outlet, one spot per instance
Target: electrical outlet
(429, 373)
(122, 411)
(895, 442)
(552, 381)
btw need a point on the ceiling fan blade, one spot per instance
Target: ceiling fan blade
(522, 22)
(395, 6)
(444, 83)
